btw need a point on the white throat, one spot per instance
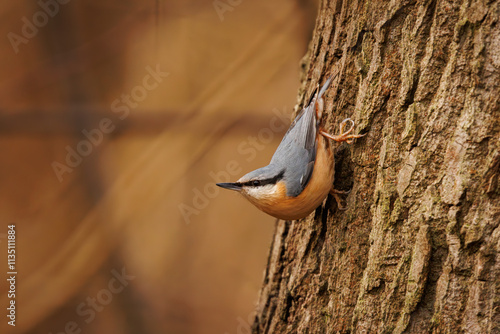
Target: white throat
(267, 192)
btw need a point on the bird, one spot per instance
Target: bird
(300, 174)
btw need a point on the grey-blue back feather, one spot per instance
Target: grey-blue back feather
(297, 151)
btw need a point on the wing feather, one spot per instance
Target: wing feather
(297, 151)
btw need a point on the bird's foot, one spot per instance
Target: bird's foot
(336, 194)
(344, 135)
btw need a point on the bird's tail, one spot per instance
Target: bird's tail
(316, 96)
(325, 86)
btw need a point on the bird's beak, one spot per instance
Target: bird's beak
(230, 186)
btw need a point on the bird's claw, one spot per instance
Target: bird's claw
(336, 194)
(344, 135)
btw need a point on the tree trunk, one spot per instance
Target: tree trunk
(418, 248)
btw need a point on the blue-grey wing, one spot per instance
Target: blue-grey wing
(297, 151)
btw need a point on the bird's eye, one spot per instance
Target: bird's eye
(256, 183)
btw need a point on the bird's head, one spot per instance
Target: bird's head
(260, 186)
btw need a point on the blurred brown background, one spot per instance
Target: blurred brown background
(114, 117)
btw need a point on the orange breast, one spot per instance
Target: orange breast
(289, 208)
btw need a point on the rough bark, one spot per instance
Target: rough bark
(418, 249)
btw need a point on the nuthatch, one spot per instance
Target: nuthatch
(300, 174)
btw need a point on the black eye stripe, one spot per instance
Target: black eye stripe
(260, 183)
